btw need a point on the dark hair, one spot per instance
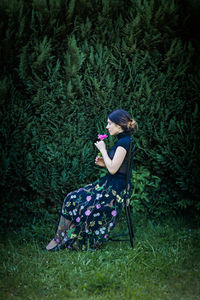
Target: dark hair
(123, 119)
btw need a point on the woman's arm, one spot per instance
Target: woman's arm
(114, 164)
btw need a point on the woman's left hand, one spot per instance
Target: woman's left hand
(100, 145)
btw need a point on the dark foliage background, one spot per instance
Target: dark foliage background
(64, 66)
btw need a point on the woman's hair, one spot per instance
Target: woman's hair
(123, 119)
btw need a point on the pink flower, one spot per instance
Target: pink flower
(57, 241)
(114, 213)
(101, 137)
(88, 212)
(69, 247)
(88, 198)
(98, 206)
(78, 220)
(105, 236)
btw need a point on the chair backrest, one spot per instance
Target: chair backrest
(130, 150)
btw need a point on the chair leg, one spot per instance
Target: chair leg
(129, 223)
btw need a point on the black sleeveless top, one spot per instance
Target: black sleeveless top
(124, 139)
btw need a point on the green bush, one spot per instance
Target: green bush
(65, 66)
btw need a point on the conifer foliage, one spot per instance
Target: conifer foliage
(65, 65)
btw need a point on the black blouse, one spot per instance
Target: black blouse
(124, 139)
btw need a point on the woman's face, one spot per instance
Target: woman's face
(113, 128)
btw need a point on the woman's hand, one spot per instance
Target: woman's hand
(99, 161)
(100, 145)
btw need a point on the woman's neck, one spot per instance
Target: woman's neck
(123, 134)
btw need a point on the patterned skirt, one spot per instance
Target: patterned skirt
(89, 214)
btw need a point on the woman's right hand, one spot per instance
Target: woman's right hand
(99, 161)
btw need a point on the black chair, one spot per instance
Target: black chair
(128, 191)
(126, 202)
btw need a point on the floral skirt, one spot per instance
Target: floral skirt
(89, 214)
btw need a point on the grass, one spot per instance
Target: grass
(164, 264)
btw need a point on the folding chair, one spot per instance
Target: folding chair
(126, 202)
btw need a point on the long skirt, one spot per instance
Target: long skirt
(89, 214)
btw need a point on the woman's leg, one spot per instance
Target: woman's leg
(63, 226)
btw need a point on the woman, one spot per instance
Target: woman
(90, 213)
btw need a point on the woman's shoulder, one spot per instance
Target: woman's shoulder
(124, 142)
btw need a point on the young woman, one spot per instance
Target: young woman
(90, 213)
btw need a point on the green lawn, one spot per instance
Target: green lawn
(164, 264)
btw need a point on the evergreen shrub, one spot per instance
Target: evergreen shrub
(65, 65)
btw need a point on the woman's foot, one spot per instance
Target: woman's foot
(51, 245)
